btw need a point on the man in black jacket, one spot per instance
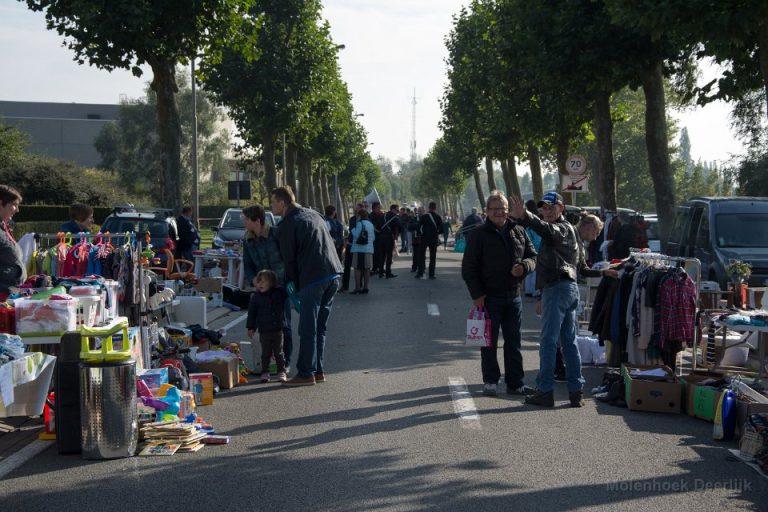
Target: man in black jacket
(431, 228)
(189, 238)
(312, 266)
(498, 256)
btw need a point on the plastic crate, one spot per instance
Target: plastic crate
(88, 311)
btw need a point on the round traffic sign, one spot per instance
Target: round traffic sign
(576, 164)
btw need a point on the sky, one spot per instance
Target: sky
(393, 49)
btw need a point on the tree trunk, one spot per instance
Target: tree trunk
(479, 187)
(168, 131)
(537, 182)
(290, 166)
(605, 179)
(489, 170)
(657, 146)
(562, 150)
(512, 171)
(304, 163)
(315, 196)
(505, 175)
(268, 138)
(324, 188)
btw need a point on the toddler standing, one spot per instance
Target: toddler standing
(266, 313)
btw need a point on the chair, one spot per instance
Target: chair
(175, 269)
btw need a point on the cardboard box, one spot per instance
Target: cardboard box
(700, 400)
(201, 384)
(210, 285)
(224, 369)
(652, 394)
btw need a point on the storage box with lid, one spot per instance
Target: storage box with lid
(45, 317)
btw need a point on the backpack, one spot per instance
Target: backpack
(362, 238)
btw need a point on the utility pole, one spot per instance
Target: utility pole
(413, 127)
(195, 195)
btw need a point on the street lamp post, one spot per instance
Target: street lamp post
(195, 194)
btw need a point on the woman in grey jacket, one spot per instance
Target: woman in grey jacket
(12, 269)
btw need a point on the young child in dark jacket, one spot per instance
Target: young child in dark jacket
(266, 313)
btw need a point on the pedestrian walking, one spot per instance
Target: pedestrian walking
(312, 266)
(431, 228)
(363, 237)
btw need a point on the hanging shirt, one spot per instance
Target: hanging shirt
(677, 302)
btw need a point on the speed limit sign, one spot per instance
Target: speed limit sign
(576, 165)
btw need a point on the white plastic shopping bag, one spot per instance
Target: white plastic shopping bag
(478, 328)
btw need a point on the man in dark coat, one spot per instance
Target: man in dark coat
(431, 228)
(188, 236)
(498, 256)
(313, 268)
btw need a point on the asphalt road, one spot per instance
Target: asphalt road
(383, 433)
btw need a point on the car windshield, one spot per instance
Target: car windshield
(233, 220)
(158, 229)
(742, 230)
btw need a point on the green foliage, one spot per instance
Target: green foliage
(13, 144)
(42, 180)
(132, 149)
(752, 174)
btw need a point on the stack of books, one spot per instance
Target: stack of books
(168, 437)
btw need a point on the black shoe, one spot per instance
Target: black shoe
(364, 290)
(391, 275)
(432, 277)
(381, 274)
(576, 398)
(520, 391)
(541, 399)
(413, 270)
(560, 377)
(419, 276)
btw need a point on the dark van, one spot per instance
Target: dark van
(717, 230)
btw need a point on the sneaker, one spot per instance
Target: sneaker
(576, 398)
(319, 377)
(391, 275)
(265, 377)
(542, 399)
(560, 377)
(282, 377)
(489, 389)
(300, 381)
(522, 390)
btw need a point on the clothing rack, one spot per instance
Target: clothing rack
(692, 267)
(130, 238)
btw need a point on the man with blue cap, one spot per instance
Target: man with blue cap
(557, 265)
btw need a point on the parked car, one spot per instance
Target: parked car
(717, 230)
(231, 227)
(127, 218)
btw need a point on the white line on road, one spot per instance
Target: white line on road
(20, 457)
(463, 404)
(433, 310)
(234, 322)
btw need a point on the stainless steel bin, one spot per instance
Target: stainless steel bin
(108, 423)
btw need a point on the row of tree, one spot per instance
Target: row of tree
(271, 63)
(534, 81)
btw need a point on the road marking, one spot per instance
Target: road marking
(20, 457)
(433, 310)
(463, 404)
(234, 322)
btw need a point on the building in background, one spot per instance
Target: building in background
(60, 130)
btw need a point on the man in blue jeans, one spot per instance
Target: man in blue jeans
(560, 257)
(313, 267)
(498, 256)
